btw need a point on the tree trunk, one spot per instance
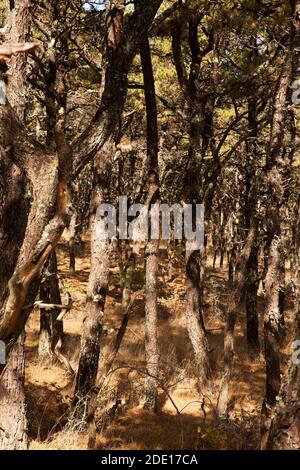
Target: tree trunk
(72, 255)
(234, 304)
(272, 336)
(152, 249)
(251, 282)
(13, 420)
(277, 171)
(122, 41)
(231, 263)
(151, 334)
(19, 21)
(285, 428)
(200, 101)
(96, 292)
(51, 188)
(51, 330)
(194, 317)
(251, 288)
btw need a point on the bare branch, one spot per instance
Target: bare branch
(8, 50)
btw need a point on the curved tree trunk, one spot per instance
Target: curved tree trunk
(50, 173)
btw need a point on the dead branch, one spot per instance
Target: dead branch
(8, 50)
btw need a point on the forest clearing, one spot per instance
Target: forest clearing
(149, 226)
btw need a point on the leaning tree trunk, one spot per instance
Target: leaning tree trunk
(49, 213)
(194, 270)
(285, 434)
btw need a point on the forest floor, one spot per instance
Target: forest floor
(193, 425)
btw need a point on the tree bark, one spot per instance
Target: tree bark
(13, 420)
(251, 288)
(51, 330)
(200, 101)
(96, 293)
(194, 318)
(51, 194)
(251, 281)
(19, 21)
(285, 428)
(122, 41)
(277, 170)
(199, 135)
(152, 248)
(123, 38)
(234, 304)
(49, 213)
